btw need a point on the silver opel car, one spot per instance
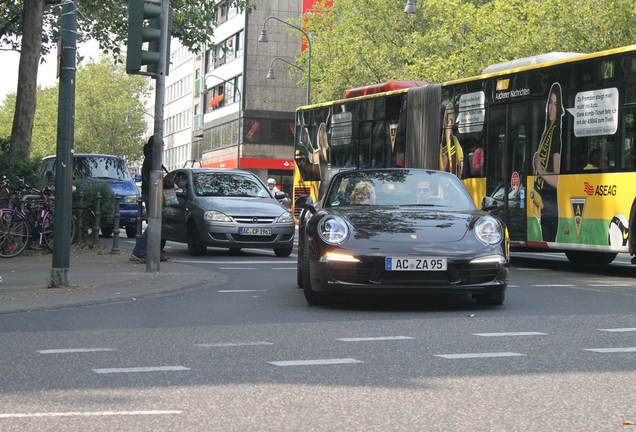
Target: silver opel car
(231, 209)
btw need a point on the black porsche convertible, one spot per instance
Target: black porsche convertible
(400, 231)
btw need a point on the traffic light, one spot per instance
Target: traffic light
(144, 25)
(153, 45)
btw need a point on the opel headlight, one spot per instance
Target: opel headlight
(488, 230)
(333, 230)
(286, 217)
(216, 216)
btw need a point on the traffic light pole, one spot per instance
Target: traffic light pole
(156, 178)
(64, 160)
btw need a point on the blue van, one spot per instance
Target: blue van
(114, 171)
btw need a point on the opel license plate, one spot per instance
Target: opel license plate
(255, 231)
(414, 264)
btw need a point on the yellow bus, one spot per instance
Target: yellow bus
(550, 137)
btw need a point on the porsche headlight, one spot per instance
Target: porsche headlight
(215, 216)
(286, 217)
(488, 230)
(333, 230)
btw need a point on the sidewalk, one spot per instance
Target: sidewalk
(95, 276)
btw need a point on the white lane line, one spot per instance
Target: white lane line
(510, 334)
(315, 362)
(380, 338)
(141, 369)
(528, 269)
(554, 285)
(284, 268)
(233, 344)
(610, 286)
(626, 329)
(74, 350)
(88, 414)
(241, 291)
(237, 268)
(479, 355)
(611, 350)
(234, 262)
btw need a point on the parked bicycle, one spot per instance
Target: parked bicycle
(27, 219)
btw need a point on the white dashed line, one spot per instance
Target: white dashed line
(554, 285)
(233, 344)
(87, 414)
(616, 330)
(315, 362)
(381, 338)
(74, 350)
(510, 334)
(479, 355)
(241, 291)
(612, 350)
(141, 369)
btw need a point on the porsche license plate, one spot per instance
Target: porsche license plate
(255, 231)
(414, 264)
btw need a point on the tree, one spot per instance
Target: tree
(33, 26)
(361, 42)
(109, 115)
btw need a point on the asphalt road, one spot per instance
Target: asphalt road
(252, 355)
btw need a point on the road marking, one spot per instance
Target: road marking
(241, 291)
(87, 414)
(554, 285)
(381, 338)
(235, 262)
(528, 269)
(510, 334)
(479, 355)
(141, 369)
(611, 350)
(284, 268)
(74, 350)
(238, 268)
(610, 286)
(626, 329)
(315, 362)
(233, 344)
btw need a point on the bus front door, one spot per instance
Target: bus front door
(508, 163)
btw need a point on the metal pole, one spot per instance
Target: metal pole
(64, 161)
(156, 179)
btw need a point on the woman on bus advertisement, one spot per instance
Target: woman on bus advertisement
(451, 155)
(547, 166)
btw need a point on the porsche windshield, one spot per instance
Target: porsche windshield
(227, 185)
(398, 187)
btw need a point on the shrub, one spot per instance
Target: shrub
(89, 190)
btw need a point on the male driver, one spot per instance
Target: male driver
(423, 191)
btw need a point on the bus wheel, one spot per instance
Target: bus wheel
(590, 258)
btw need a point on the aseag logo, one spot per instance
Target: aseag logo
(599, 190)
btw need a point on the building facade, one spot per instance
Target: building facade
(220, 109)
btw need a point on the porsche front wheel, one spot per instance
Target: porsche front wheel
(314, 298)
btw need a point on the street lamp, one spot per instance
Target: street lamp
(410, 7)
(204, 91)
(263, 38)
(270, 72)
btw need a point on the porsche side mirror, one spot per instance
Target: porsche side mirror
(305, 203)
(489, 203)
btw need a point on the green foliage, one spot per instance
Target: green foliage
(102, 87)
(362, 42)
(14, 164)
(88, 190)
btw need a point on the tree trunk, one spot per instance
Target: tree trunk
(27, 75)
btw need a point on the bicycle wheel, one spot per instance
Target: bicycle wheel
(15, 233)
(84, 220)
(47, 233)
